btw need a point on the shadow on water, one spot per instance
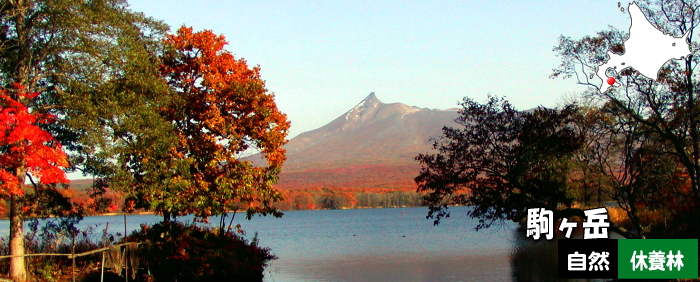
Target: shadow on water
(413, 268)
(527, 260)
(534, 260)
(537, 260)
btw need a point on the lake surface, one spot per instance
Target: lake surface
(368, 245)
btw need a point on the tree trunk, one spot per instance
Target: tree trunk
(17, 266)
(18, 270)
(694, 135)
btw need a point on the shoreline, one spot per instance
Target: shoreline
(153, 213)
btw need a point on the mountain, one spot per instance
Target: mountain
(371, 145)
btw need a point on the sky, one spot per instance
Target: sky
(321, 58)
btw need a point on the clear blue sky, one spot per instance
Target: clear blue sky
(321, 58)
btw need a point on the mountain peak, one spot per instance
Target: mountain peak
(372, 98)
(364, 110)
(371, 134)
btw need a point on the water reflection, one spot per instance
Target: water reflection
(534, 260)
(382, 245)
(527, 260)
(537, 260)
(468, 267)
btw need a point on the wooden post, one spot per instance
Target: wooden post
(73, 253)
(104, 244)
(104, 235)
(126, 263)
(102, 274)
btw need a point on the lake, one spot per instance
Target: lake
(397, 244)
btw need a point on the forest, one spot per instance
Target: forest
(161, 120)
(294, 199)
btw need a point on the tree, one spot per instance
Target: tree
(500, 161)
(667, 108)
(91, 63)
(27, 150)
(621, 162)
(220, 111)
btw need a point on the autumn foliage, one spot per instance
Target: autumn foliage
(220, 111)
(25, 146)
(348, 198)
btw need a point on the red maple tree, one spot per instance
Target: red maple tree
(25, 150)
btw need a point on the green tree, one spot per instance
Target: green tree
(93, 64)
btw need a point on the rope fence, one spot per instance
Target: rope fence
(118, 260)
(70, 256)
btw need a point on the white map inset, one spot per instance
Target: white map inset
(646, 50)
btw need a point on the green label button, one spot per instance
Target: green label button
(658, 258)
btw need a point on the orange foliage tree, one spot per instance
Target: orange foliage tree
(26, 150)
(220, 111)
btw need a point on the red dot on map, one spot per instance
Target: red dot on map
(611, 80)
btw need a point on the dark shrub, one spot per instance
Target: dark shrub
(682, 224)
(190, 253)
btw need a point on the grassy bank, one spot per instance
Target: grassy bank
(166, 252)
